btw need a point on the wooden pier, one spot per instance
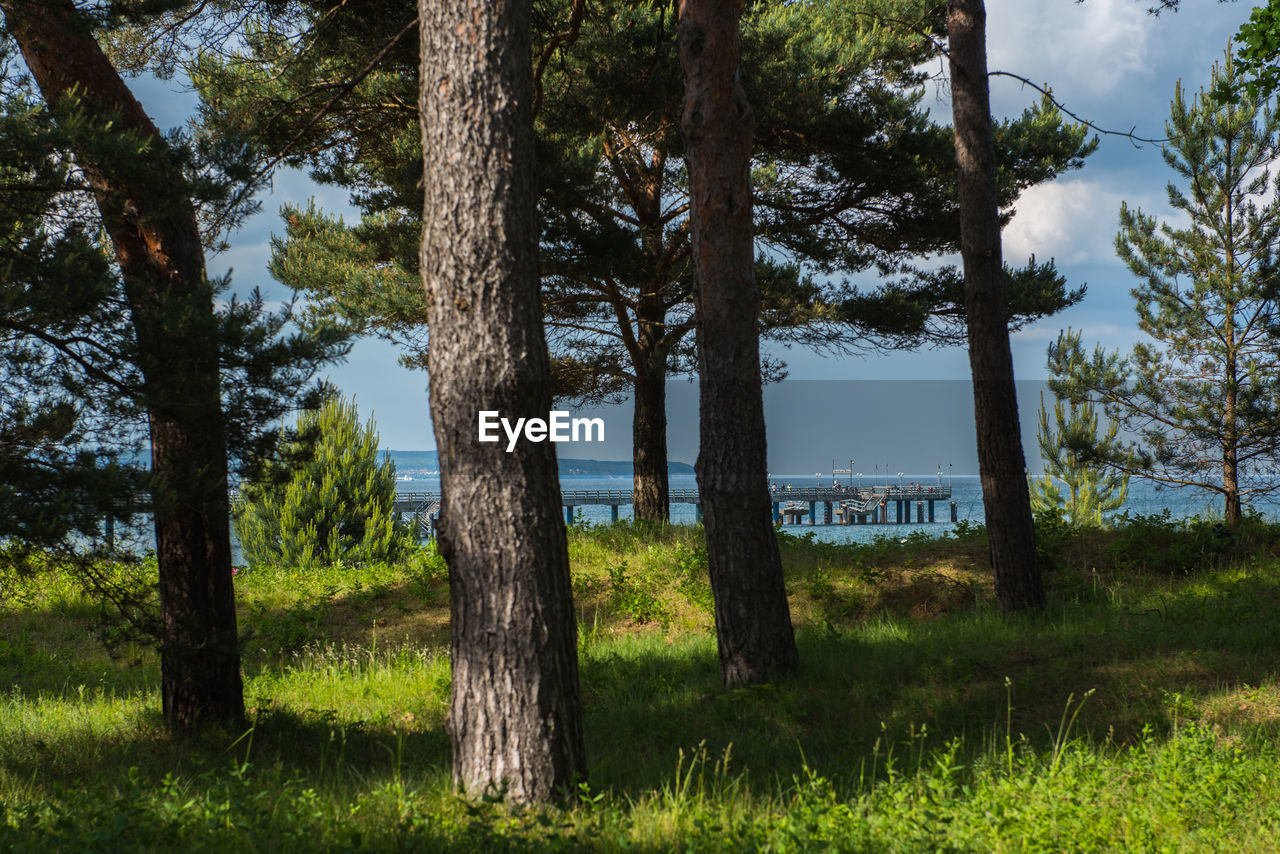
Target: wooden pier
(837, 506)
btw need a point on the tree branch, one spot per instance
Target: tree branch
(566, 38)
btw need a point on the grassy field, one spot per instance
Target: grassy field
(1139, 712)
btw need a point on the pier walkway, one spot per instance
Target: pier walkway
(838, 505)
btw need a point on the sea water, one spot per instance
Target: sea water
(1145, 498)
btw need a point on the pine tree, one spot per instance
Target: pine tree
(1068, 450)
(1203, 396)
(850, 177)
(61, 441)
(754, 634)
(515, 712)
(198, 381)
(995, 402)
(335, 504)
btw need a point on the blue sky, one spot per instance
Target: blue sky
(1106, 60)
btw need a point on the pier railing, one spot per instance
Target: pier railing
(869, 496)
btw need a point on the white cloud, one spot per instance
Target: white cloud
(1095, 48)
(1074, 221)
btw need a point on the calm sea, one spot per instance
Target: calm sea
(1144, 498)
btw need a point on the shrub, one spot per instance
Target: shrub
(1160, 543)
(338, 504)
(635, 595)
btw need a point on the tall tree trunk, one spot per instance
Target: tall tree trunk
(1000, 458)
(1233, 510)
(515, 718)
(147, 212)
(753, 623)
(650, 479)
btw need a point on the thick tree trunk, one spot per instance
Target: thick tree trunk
(515, 718)
(147, 212)
(649, 449)
(1000, 458)
(753, 623)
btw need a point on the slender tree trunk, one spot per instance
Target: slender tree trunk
(753, 624)
(1233, 510)
(1000, 457)
(147, 212)
(515, 718)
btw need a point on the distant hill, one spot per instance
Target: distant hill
(430, 461)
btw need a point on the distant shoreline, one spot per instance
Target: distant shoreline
(428, 463)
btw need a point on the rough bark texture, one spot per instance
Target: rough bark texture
(1234, 510)
(1000, 458)
(753, 624)
(649, 451)
(148, 214)
(515, 718)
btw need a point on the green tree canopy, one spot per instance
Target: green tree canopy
(851, 178)
(65, 344)
(1258, 44)
(1203, 395)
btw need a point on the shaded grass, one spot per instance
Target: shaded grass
(922, 718)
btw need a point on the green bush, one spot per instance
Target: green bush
(1161, 543)
(635, 595)
(337, 505)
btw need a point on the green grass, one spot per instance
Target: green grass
(1139, 712)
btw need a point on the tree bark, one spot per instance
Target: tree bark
(1001, 462)
(1233, 510)
(147, 212)
(650, 479)
(515, 718)
(753, 624)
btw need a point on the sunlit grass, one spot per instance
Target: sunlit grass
(1140, 711)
